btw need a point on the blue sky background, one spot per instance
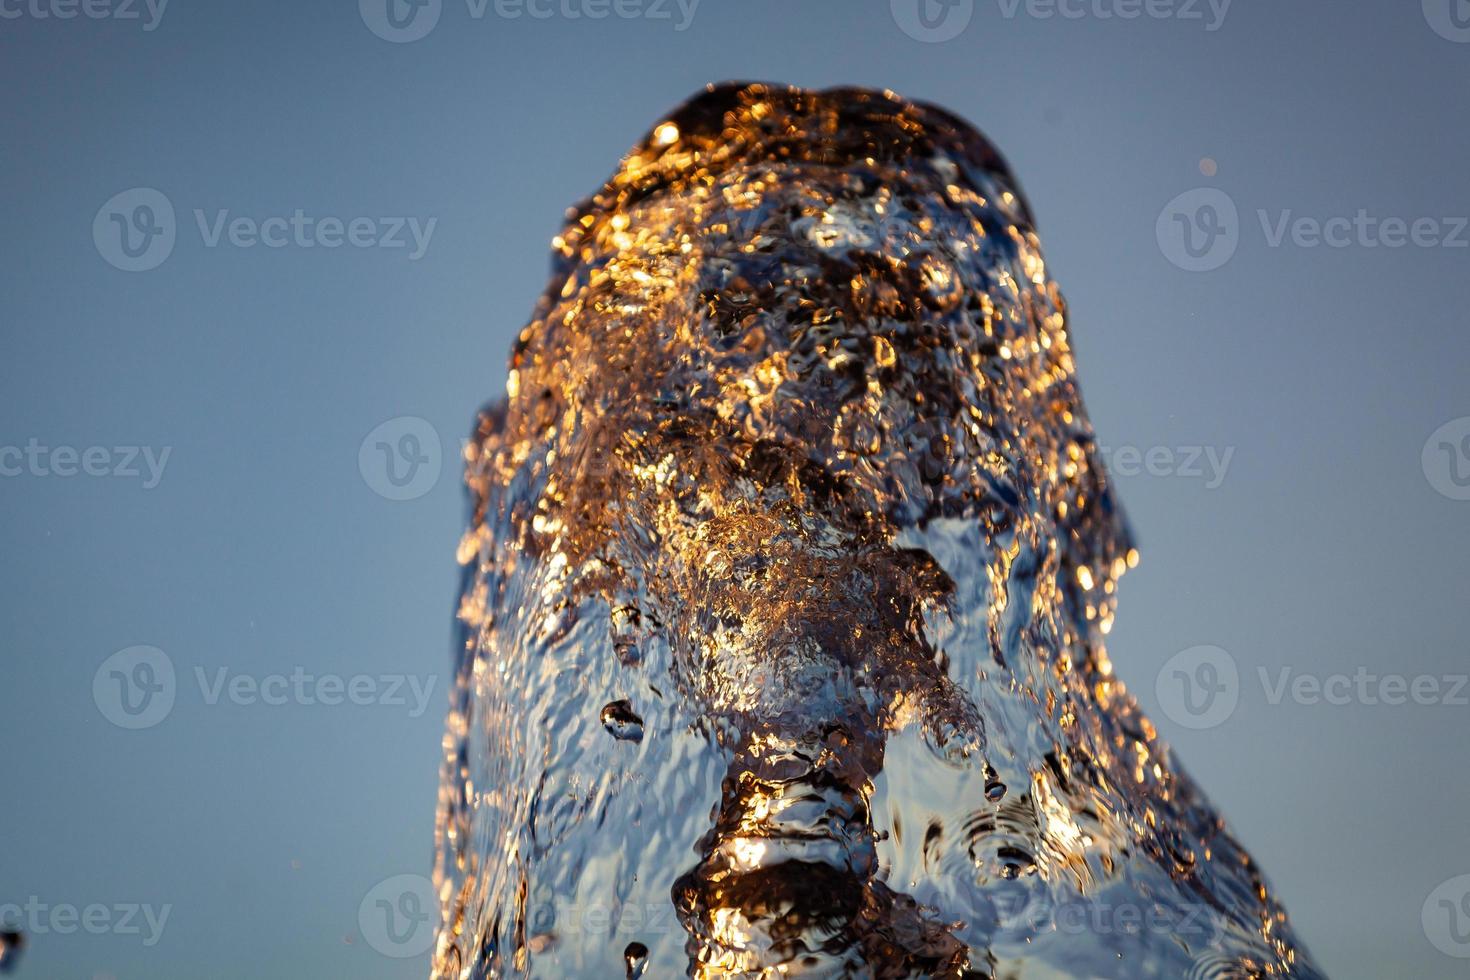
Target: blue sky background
(1327, 545)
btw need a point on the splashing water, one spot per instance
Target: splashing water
(785, 593)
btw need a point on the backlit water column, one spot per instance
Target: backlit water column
(786, 587)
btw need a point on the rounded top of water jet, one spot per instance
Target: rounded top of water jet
(744, 123)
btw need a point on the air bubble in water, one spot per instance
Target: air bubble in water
(636, 957)
(622, 722)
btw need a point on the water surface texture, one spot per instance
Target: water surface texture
(786, 591)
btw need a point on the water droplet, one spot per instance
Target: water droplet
(619, 719)
(636, 956)
(12, 941)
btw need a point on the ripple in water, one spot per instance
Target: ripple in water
(793, 459)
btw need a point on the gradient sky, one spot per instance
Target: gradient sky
(1327, 545)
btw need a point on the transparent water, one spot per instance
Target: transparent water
(786, 591)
